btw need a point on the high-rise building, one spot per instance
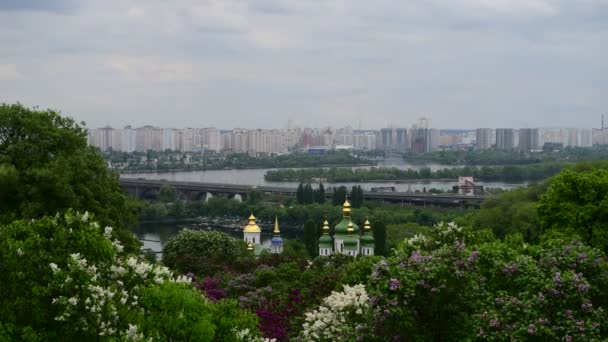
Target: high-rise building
(483, 138)
(424, 139)
(386, 139)
(505, 138)
(528, 139)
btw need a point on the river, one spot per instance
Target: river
(255, 177)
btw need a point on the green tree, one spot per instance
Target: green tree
(379, 231)
(321, 194)
(356, 196)
(202, 252)
(308, 194)
(300, 193)
(47, 167)
(254, 197)
(311, 238)
(339, 195)
(577, 203)
(167, 193)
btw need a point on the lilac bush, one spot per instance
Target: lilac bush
(439, 287)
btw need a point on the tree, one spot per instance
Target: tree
(577, 203)
(167, 193)
(321, 194)
(46, 167)
(339, 195)
(300, 193)
(202, 252)
(379, 231)
(311, 238)
(356, 196)
(254, 197)
(308, 194)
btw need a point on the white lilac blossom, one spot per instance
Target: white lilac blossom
(132, 333)
(245, 335)
(54, 267)
(333, 320)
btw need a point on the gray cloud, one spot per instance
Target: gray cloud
(463, 63)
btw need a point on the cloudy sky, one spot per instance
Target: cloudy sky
(258, 63)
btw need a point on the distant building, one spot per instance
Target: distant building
(483, 138)
(505, 139)
(424, 140)
(528, 139)
(600, 136)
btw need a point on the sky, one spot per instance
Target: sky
(260, 63)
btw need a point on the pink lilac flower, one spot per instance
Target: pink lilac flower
(394, 284)
(531, 329)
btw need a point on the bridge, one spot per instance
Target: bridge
(194, 191)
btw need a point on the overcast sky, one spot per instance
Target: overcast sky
(237, 63)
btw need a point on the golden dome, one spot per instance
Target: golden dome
(346, 208)
(252, 227)
(250, 247)
(366, 226)
(350, 230)
(276, 226)
(325, 227)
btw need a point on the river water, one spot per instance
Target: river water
(255, 177)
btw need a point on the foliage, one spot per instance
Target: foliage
(436, 287)
(202, 252)
(379, 232)
(66, 278)
(167, 193)
(168, 161)
(512, 212)
(508, 173)
(311, 238)
(512, 157)
(577, 203)
(356, 196)
(47, 167)
(339, 195)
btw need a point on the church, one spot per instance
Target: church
(252, 234)
(346, 239)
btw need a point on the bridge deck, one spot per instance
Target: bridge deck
(243, 189)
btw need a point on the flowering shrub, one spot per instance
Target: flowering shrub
(555, 294)
(489, 290)
(426, 295)
(64, 278)
(341, 316)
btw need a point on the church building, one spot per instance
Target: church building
(252, 234)
(347, 239)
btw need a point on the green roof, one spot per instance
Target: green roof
(325, 241)
(350, 242)
(341, 227)
(367, 240)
